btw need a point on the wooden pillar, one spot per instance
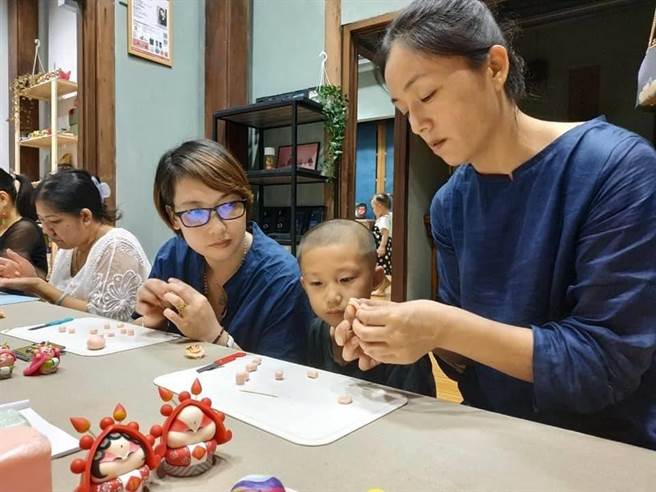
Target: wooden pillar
(381, 154)
(96, 74)
(227, 68)
(333, 48)
(400, 236)
(23, 24)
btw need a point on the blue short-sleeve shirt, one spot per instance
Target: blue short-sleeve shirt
(268, 311)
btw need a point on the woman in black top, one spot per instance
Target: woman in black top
(18, 229)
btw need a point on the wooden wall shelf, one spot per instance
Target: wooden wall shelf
(42, 91)
(45, 142)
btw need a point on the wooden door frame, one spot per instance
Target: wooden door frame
(22, 28)
(96, 89)
(350, 52)
(227, 69)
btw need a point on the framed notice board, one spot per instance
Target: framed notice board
(150, 28)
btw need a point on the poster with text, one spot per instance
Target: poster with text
(149, 30)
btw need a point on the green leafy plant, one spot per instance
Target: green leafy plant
(334, 104)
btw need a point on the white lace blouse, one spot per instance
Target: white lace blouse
(115, 268)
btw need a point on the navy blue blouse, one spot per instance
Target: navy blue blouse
(566, 247)
(268, 311)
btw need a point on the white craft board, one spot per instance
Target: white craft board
(61, 442)
(305, 411)
(76, 343)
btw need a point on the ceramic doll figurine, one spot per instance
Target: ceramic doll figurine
(45, 360)
(7, 361)
(120, 458)
(190, 434)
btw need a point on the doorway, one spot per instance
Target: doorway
(375, 158)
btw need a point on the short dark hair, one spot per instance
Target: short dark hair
(204, 160)
(339, 231)
(454, 28)
(384, 199)
(70, 191)
(23, 197)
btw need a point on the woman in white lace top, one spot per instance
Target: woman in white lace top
(98, 267)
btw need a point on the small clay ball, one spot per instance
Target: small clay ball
(241, 378)
(345, 400)
(313, 374)
(96, 342)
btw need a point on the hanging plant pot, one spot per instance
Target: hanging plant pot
(335, 105)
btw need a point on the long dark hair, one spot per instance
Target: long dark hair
(454, 28)
(22, 198)
(70, 191)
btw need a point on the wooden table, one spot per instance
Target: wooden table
(425, 446)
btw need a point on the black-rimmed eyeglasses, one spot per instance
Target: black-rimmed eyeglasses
(197, 217)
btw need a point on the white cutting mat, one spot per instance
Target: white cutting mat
(304, 411)
(76, 343)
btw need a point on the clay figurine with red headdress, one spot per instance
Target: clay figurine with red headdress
(190, 434)
(45, 360)
(120, 458)
(7, 361)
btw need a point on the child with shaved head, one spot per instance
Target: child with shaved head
(338, 263)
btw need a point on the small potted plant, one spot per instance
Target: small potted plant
(334, 104)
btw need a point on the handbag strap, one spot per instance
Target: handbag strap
(652, 41)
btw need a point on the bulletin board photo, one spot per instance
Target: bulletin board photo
(150, 30)
(307, 155)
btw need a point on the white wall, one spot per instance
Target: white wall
(62, 39)
(426, 174)
(157, 108)
(288, 36)
(356, 10)
(4, 87)
(373, 100)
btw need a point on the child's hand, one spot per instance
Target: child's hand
(380, 252)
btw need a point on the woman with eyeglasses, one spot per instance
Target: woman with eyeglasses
(98, 267)
(216, 280)
(546, 239)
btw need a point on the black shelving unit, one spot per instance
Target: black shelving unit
(266, 116)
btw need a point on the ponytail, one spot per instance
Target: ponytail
(25, 198)
(20, 190)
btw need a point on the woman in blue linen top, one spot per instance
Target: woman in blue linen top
(216, 281)
(546, 240)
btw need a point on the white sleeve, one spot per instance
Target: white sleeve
(118, 271)
(383, 222)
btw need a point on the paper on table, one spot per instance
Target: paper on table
(61, 442)
(6, 299)
(77, 332)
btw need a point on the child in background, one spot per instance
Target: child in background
(381, 205)
(338, 263)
